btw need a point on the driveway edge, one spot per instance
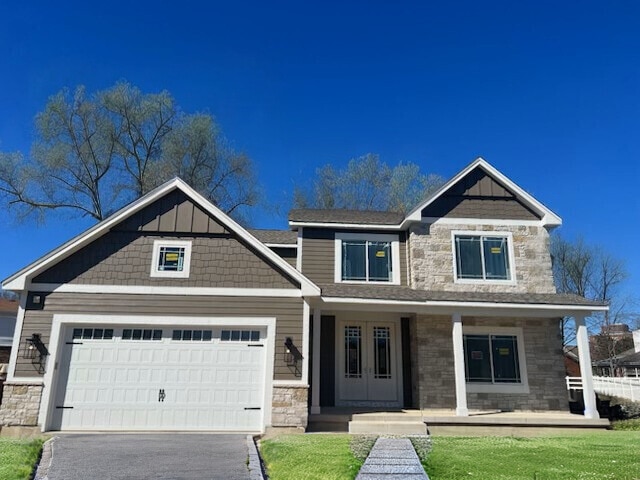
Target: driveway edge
(44, 464)
(255, 463)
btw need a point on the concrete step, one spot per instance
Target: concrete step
(388, 427)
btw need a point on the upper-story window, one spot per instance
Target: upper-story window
(171, 258)
(367, 258)
(483, 257)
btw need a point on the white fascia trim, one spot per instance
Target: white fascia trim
(548, 217)
(365, 226)
(17, 335)
(376, 237)
(19, 280)
(299, 254)
(60, 320)
(476, 233)
(523, 386)
(281, 245)
(455, 304)
(481, 221)
(153, 290)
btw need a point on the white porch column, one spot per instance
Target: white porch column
(315, 362)
(458, 363)
(582, 337)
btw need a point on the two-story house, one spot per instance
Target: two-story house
(169, 315)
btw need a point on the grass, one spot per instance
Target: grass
(312, 457)
(589, 456)
(18, 456)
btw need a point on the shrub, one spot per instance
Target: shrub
(625, 409)
(361, 445)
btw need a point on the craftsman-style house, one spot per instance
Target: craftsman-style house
(169, 315)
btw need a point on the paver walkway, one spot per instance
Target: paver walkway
(392, 459)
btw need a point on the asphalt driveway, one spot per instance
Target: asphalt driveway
(149, 456)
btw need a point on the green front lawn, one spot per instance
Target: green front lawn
(602, 455)
(607, 455)
(18, 456)
(310, 456)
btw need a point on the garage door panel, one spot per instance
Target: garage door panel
(116, 384)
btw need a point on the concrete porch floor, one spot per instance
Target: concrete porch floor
(445, 422)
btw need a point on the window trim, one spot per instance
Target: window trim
(372, 237)
(483, 233)
(186, 266)
(523, 386)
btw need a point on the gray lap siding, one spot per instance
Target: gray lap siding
(287, 311)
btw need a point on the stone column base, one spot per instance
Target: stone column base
(290, 406)
(20, 404)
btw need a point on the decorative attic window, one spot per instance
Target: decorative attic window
(367, 258)
(171, 258)
(483, 257)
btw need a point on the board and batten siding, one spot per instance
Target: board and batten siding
(478, 195)
(318, 253)
(287, 311)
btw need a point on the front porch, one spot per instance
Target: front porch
(447, 422)
(461, 369)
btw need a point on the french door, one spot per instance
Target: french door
(367, 369)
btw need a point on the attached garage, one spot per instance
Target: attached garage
(160, 377)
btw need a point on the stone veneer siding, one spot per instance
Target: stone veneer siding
(20, 404)
(543, 351)
(431, 259)
(290, 406)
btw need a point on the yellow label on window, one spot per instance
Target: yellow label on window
(496, 250)
(171, 257)
(380, 254)
(503, 351)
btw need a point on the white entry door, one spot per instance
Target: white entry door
(163, 378)
(367, 367)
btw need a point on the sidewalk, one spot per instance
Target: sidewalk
(392, 459)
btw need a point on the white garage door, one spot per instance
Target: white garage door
(160, 378)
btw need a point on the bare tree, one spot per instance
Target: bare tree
(367, 183)
(593, 273)
(94, 153)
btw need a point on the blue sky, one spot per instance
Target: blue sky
(548, 92)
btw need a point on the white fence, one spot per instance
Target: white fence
(623, 387)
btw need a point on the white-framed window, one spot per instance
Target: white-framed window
(483, 257)
(171, 258)
(494, 360)
(367, 258)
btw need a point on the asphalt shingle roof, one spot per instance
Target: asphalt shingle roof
(396, 292)
(345, 216)
(282, 237)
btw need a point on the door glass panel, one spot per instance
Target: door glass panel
(381, 352)
(352, 352)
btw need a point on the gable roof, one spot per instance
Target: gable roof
(548, 218)
(385, 220)
(18, 280)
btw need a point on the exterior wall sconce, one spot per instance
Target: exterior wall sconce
(292, 356)
(36, 351)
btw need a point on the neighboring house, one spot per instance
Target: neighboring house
(8, 313)
(171, 316)
(626, 364)
(571, 361)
